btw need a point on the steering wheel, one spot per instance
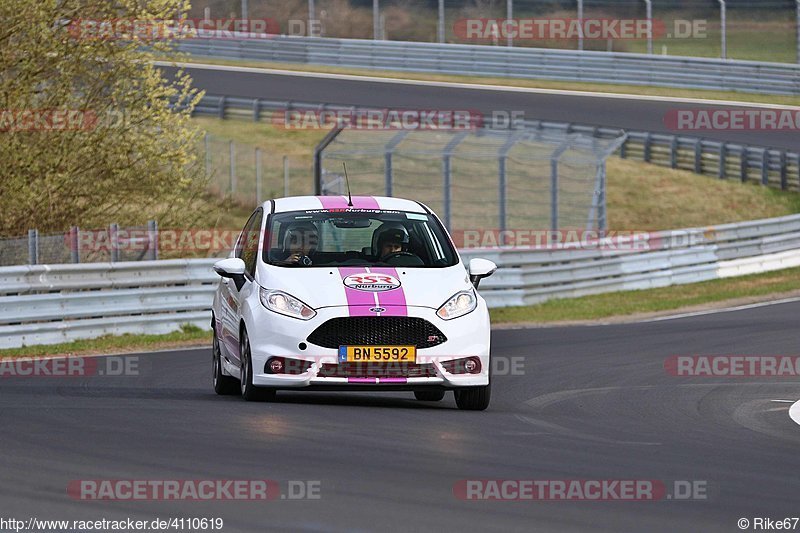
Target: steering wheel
(397, 254)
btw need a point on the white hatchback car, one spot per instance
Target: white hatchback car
(368, 293)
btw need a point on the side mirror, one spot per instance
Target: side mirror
(232, 268)
(479, 269)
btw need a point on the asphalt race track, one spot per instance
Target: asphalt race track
(626, 113)
(591, 402)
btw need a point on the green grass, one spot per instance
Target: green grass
(188, 335)
(652, 300)
(640, 196)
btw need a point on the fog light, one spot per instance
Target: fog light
(468, 365)
(275, 365)
(471, 366)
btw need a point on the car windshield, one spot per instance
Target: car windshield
(355, 237)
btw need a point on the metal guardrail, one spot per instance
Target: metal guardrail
(498, 61)
(45, 304)
(725, 160)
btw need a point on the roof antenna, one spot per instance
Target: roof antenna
(349, 197)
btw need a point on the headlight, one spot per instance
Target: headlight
(459, 305)
(285, 304)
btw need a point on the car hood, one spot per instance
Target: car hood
(362, 288)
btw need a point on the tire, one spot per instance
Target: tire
(429, 395)
(223, 385)
(473, 398)
(250, 392)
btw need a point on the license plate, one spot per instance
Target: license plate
(377, 354)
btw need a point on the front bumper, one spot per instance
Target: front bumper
(280, 336)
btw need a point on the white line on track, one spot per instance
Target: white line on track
(473, 86)
(722, 310)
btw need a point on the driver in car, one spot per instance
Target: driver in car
(299, 243)
(392, 241)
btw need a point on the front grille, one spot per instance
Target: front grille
(377, 331)
(377, 370)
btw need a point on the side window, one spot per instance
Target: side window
(247, 247)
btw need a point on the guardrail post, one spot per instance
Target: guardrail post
(33, 247)
(623, 149)
(784, 184)
(648, 139)
(152, 234)
(74, 242)
(113, 239)
(221, 110)
(256, 110)
(722, 173)
(744, 164)
(698, 156)
(673, 152)
(232, 167)
(765, 167)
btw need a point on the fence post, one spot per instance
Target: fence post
(207, 143)
(258, 176)
(447, 193)
(649, 6)
(33, 246)
(152, 234)
(723, 21)
(554, 193)
(232, 168)
(509, 16)
(286, 175)
(376, 20)
(312, 16)
(74, 240)
(580, 24)
(389, 149)
(113, 238)
(440, 27)
(797, 26)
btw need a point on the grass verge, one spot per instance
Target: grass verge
(678, 297)
(188, 335)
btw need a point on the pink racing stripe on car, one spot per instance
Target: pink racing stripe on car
(340, 202)
(362, 380)
(359, 303)
(394, 301)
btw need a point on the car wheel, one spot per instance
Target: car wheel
(223, 385)
(250, 392)
(429, 395)
(473, 398)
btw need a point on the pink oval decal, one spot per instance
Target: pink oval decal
(371, 282)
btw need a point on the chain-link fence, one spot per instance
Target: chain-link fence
(249, 175)
(739, 29)
(81, 245)
(485, 180)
